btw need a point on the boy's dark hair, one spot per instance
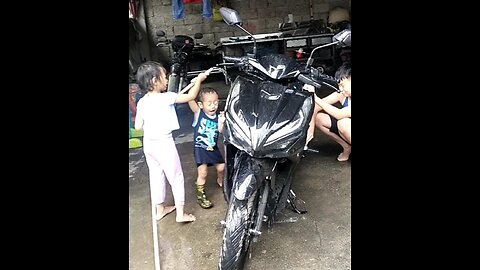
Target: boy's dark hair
(344, 71)
(146, 72)
(203, 91)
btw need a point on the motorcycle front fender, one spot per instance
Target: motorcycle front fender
(246, 178)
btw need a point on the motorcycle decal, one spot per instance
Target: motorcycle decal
(276, 72)
(258, 66)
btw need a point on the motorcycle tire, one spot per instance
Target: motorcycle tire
(173, 83)
(241, 217)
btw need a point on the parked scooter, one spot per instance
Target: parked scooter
(267, 116)
(185, 50)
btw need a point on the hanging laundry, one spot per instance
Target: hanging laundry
(179, 13)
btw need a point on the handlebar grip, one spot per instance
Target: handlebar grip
(307, 80)
(323, 77)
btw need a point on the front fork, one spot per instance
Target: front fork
(262, 204)
(176, 79)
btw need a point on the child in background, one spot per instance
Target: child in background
(336, 122)
(207, 125)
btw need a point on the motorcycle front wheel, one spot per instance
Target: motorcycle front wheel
(241, 217)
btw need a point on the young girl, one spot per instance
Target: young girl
(157, 117)
(207, 124)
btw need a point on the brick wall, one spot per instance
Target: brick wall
(259, 16)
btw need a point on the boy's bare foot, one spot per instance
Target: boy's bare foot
(345, 155)
(186, 218)
(166, 210)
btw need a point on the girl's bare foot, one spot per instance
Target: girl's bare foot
(220, 182)
(345, 155)
(186, 218)
(166, 210)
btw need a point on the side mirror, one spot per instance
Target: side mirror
(343, 38)
(230, 16)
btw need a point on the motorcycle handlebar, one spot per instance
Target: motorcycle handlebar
(317, 79)
(308, 80)
(315, 73)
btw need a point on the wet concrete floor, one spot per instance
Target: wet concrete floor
(319, 239)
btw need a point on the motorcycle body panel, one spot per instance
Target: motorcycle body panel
(267, 119)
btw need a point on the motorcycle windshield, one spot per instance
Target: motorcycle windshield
(265, 118)
(279, 66)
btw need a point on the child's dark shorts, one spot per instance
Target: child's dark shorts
(202, 156)
(334, 126)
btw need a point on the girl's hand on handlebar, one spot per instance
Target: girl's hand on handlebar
(201, 76)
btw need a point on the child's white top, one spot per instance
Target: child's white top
(159, 115)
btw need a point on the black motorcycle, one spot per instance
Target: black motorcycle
(267, 116)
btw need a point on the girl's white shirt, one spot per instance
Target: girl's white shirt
(159, 115)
